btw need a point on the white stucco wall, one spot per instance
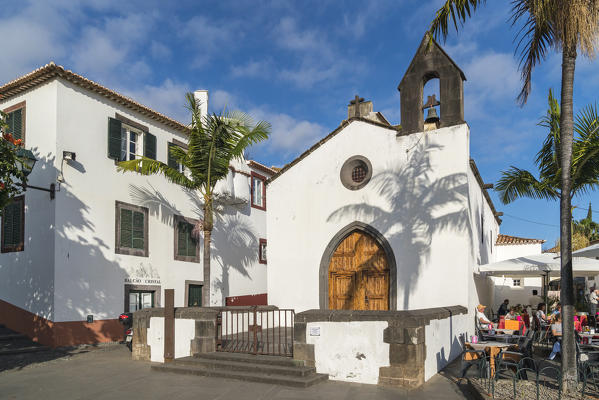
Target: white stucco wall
(69, 268)
(349, 351)
(417, 199)
(184, 334)
(443, 343)
(504, 285)
(27, 277)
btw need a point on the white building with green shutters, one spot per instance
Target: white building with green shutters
(105, 242)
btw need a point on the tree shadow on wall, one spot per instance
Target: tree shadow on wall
(234, 244)
(416, 206)
(63, 273)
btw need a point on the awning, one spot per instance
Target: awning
(591, 251)
(539, 264)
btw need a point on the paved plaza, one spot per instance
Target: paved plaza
(109, 373)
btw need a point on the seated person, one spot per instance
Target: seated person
(541, 313)
(512, 314)
(503, 308)
(480, 315)
(556, 329)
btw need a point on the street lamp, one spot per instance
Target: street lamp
(26, 161)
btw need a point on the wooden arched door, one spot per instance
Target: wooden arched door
(359, 275)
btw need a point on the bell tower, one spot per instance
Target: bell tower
(431, 62)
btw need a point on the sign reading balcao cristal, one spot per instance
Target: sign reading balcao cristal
(146, 281)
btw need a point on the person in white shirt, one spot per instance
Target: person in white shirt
(593, 299)
(480, 314)
(541, 312)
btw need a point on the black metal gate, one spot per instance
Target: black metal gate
(255, 331)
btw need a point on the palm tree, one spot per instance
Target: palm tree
(586, 226)
(568, 26)
(516, 183)
(214, 141)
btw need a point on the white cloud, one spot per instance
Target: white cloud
(290, 136)
(251, 69)
(219, 99)
(167, 98)
(207, 36)
(160, 51)
(289, 36)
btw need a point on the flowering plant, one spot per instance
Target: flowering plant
(12, 178)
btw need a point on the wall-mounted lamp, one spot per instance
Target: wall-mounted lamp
(26, 161)
(68, 155)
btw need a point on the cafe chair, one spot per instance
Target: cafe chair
(471, 357)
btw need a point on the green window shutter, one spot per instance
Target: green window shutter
(138, 230)
(191, 244)
(150, 145)
(181, 238)
(171, 160)
(11, 224)
(126, 228)
(15, 123)
(114, 138)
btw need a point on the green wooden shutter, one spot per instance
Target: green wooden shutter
(15, 123)
(138, 230)
(191, 243)
(172, 162)
(181, 239)
(126, 228)
(11, 224)
(114, 138)
(150, 145)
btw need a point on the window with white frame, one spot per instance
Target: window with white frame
(130, 143)
(517, 282)
(258, 191)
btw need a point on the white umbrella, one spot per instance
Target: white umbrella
(539, 264)
(591, 251)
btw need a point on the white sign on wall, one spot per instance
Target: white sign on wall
(315, 331)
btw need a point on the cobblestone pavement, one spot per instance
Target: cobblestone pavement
(109, 373)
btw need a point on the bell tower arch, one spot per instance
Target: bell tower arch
(431, 62)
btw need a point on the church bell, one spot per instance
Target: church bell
(431, 116)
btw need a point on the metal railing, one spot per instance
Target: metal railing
(255, 331)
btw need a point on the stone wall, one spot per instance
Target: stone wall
(404, 335)
(204, 340)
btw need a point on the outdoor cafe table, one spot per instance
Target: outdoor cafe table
(492, 349)
(589, 338)
(507, 338)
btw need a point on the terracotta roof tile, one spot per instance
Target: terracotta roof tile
(51, 71)
(261, 167)
(503, 240)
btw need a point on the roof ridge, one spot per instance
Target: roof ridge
(52, 70)
(503, 239)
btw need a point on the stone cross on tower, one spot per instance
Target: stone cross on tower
(356, 102)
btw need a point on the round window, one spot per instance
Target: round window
(356, 172)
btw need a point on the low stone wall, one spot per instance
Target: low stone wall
(352, 345)
(190, 339)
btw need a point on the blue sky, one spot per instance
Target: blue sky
(297, 64)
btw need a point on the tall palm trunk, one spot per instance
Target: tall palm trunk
(569, 372)
(208, 225)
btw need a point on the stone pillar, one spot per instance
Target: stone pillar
(407, 353)
(140, 350)
(205, 337)
(302, 351)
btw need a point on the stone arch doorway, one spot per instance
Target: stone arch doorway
(357, 271)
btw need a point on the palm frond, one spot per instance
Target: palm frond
(548, 157)
(147, 166)
(453, 11)
(516, 183)
(536, 38)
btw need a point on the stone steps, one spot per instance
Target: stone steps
(16, 343)
(266, 369)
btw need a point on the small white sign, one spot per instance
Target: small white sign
(315, 331)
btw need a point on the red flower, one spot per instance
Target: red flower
(1, 186)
